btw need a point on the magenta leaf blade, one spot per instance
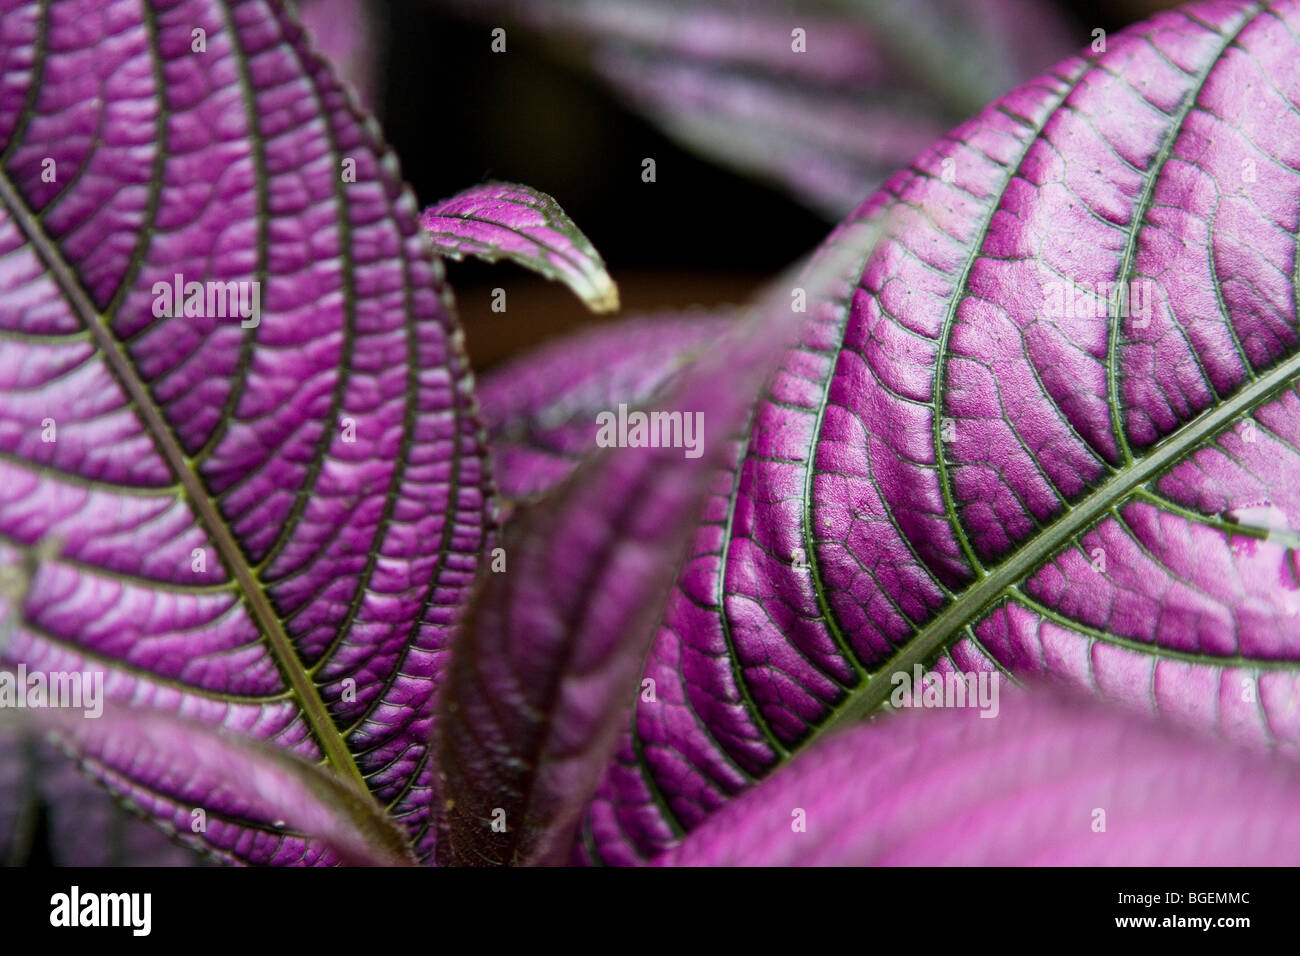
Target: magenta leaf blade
(540, 410)
(544, 670)
(1043, 783)
(989, 460)
(508, 221)
(235, 418)
(822, 97)
(209, 789)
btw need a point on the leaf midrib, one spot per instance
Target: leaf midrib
(991, 585)
(254, 594)
(972, 602)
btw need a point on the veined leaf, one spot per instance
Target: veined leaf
(233, 402)
(508, 221)
(1044, 783)
(980, 462)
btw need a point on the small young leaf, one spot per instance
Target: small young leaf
(508, 221)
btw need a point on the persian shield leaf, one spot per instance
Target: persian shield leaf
(1045, 783)
(85, 827)
(348, 34)
(235, 409)
(541, 674)
(508, 221)
(1054, 430)
(208, 789)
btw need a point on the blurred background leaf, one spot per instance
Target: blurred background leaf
(458, 114)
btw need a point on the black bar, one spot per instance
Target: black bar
(212, 906)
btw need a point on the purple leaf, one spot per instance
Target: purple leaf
(1045, 783)
(828, 114)
(971, 466)
(210, 789)
(262, 517)
(545, 666)
(508, 221)
(540, 410)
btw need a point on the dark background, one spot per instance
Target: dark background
(457, 114)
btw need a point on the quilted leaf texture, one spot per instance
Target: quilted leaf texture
(540, 410)
(982, 464)
(1045, 783)
(494, 221)
(265, 497)
(823, 97)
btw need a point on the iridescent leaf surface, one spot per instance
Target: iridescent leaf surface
(232, 396)
(508, 221)
(981, 463)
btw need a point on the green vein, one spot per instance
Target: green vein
(1128, 261)
(1152, 650)
(119, 363)
(1036, 550)
(950, 319)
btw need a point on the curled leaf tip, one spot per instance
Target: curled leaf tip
(495, 221)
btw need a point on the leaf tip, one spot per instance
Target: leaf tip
(603, 299)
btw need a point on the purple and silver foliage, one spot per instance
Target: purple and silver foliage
(1029, 416)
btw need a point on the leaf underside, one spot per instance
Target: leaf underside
(948, 471)
(495, 221)
(262, 523)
